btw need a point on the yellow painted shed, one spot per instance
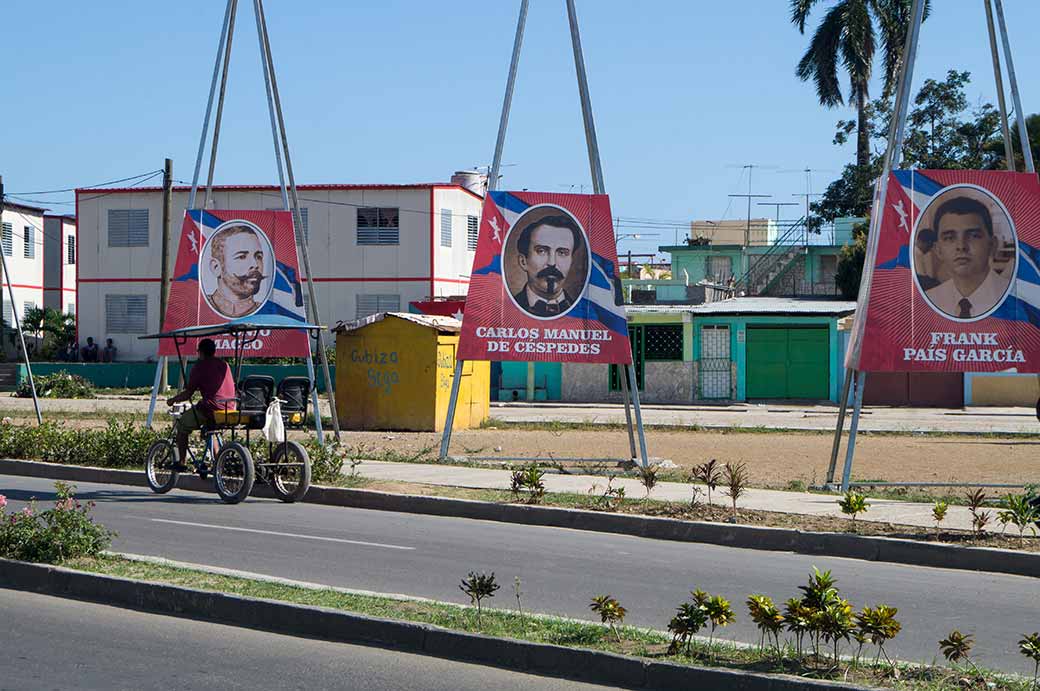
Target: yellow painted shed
(394, 371)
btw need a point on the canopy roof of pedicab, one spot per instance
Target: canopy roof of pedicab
(260, 322)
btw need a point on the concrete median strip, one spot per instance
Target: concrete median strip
(337, 625)
(900, 551)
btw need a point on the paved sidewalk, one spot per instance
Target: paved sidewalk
(884, 510)
(975, 420)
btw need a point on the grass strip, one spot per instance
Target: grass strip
(554, 630)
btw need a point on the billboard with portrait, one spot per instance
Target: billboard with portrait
(956, 283)
(238, 266)
(545, 284)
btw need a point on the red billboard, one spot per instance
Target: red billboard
(238, 266)
(955, 281)
(545, 284)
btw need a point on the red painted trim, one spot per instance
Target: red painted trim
(345, 279)
(77, 266)
(451, 280)
(433, 245)
(265, 188)
(117, 280)
(64, 290)
(23, 285)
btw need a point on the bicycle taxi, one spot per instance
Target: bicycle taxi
(225, 451)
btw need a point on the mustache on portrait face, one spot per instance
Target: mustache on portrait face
(550, 272)
(251, 276)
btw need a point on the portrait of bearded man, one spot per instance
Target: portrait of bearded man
(236, 261)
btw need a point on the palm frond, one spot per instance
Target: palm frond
(819, 64)
(800, 10)
(857, 46)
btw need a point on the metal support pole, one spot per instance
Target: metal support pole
(840, 428)
(209, 106)
(1009, 148)
(626, 396)
(298, 218)
(220, 102)
(492, 185)
(17, 324)
(314, 397)
(850, 451)
(1020, 116)
(596, 168)
(164, 274)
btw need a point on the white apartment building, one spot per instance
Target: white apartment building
(372, 248)
(59, 263)
(22, 242)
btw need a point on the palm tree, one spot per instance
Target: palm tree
(849, 33)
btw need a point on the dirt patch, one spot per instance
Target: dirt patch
(773, 459)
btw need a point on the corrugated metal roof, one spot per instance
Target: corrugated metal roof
(442, 324)
(754, 305)
(264, 188)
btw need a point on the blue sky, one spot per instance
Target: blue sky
(406, 91)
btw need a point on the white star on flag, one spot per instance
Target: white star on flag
(498, 231)
(902, 215)
(458, 315)
(194, 243)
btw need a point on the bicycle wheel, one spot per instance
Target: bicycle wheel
(233, 472)
(160, 466)
(290, 472)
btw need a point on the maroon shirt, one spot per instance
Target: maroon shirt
(212, 378)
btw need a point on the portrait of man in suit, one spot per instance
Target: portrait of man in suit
(967, 272)
(237, 262)
(549, 249)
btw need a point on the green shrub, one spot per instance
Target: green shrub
(64, 532)
(61, 384)
(326, 461)
(119, 445)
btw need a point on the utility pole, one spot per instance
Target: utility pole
(164, 280)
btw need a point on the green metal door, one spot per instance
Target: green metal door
(788, 363)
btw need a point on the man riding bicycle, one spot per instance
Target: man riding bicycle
(211, 377)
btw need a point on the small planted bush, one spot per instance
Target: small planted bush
(708, 474)
(529, 480)
(1030, 647)
(767, 618)
(736, 478)
(957, 646)
(61, 384)
(1017, 510)
(939, 510)
(877, 625)
(479, 586)
(979, 518)
(853, 503)
(610, 612)
(690, 617)
(53, 536)
(648, 478)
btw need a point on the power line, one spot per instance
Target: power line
(150, 173)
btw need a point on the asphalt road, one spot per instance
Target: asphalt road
(53, 643)
(560, 569)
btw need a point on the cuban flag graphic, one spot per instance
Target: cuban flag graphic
(512, 315)
(926, 310)
(277, 302)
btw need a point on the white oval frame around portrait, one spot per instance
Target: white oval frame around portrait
(208, 282)
(1014, 239)
(588, 260)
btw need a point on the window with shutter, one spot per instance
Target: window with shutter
(7, 239)
(30, 242)
(472, 228)
(70, 309)
(378, 226)
(126, 314)
(369, 304)
(128, 227)
(26, 307)
(445, 227)
(71, 249)
(8, 315)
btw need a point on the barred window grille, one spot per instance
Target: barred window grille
(663, 341)
(128, 227)
(70, 309)
(378, 226)
(126, 314)
(8, 240)
(26, 307)
(30, 241)
(472, 228)
(445, 227)
(71, 249)
(8, 315)
(369, 304)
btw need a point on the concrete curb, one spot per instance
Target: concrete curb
(280, 617)
(899, 551)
